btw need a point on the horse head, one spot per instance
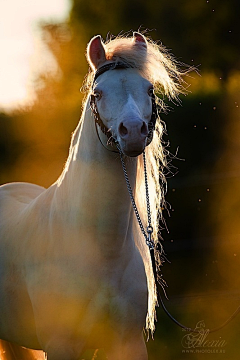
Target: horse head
(123, 99)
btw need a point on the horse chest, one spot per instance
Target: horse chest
(77, 298)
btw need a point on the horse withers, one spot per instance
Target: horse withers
(75, 271)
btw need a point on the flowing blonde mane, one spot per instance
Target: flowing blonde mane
(157, 66)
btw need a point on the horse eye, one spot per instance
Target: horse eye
(97, 95)
(151, 91)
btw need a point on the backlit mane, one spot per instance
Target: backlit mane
(157, 66)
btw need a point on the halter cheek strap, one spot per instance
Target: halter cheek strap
(98, 120)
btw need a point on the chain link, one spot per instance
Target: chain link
(149, 230)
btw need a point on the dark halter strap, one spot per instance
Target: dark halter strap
(98, 120)
(110, 66)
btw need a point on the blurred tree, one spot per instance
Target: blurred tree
(202, 32)
(10, 145)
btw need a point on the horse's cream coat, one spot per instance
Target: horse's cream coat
(71, 275)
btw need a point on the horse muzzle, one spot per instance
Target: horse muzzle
(132, 137)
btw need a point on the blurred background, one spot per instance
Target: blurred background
(42, 67)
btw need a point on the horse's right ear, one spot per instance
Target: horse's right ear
(96, 52)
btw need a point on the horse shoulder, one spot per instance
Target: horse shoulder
(20, 192)
(14, 199)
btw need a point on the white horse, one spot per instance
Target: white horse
(75, 271)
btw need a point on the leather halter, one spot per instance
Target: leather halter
(98, 120)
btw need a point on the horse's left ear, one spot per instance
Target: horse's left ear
(139, 40)
(96, 53)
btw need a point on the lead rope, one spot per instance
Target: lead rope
(148, 232)
(150, 243)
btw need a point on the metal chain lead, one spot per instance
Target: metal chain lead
(147, 235)
(149, 228)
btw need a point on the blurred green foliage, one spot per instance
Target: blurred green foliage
(203, 240)
(205, 32)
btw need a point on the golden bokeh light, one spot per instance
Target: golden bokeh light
(23, 54)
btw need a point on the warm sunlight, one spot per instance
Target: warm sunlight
(21, 45)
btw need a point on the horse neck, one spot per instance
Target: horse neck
(93, 188)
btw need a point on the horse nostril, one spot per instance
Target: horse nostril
(123, 130)
(144, 129)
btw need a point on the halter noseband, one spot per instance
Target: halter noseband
(98, 120)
